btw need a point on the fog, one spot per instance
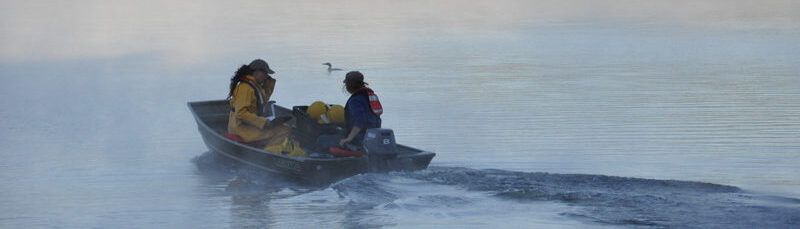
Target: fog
(547, 113)
(184, 32)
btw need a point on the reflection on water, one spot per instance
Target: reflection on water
(96, 132)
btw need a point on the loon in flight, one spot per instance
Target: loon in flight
(329, 67)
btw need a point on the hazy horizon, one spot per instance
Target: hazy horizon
(542, 113)
(53, 31)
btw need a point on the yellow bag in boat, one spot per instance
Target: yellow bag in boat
(336, 114)
(323, 119)
(290, 148)
(297, 151)
(316, 110)
(284, 146)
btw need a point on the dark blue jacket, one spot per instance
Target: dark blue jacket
(358, 113)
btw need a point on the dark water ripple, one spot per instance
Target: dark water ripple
(621, 201)
(629, 201)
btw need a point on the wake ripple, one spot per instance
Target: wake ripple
(601, 199)
(604, 199)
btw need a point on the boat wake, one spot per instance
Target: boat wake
(464, 196)
(629, 201)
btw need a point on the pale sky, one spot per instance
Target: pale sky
(63, 30)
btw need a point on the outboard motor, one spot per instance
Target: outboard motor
(381, 152)
(380, 141)
(379, 148)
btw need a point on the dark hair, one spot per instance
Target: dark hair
(353, 81)
(243, 71)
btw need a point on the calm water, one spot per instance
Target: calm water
(555, 114)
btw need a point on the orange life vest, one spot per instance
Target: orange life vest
(374, 103)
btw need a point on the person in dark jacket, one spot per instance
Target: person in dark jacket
(362, 111)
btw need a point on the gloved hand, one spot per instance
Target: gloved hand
(344, 142)
(278, 121)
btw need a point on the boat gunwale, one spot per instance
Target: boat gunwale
(239, 144)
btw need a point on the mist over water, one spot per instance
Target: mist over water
(542, 113)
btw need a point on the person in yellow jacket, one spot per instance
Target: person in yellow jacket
(250, 90)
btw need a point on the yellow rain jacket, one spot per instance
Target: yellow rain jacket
(245, 122)
(243, 119)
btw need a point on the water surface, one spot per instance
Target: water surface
(687, 106)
